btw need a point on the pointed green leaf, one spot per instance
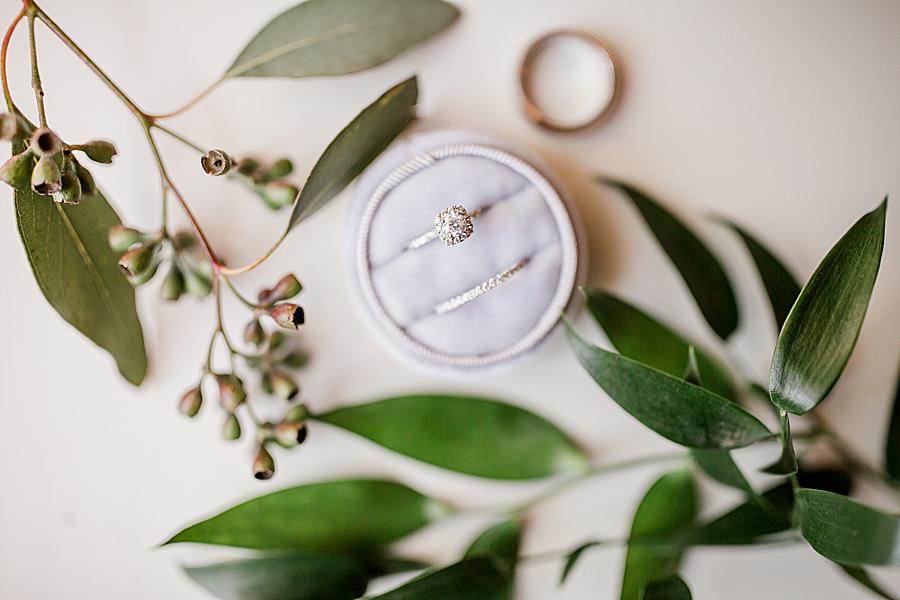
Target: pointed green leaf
(719, 465)
(781, 287)
(336, 37)
(821, 329)
(501, 544)
(292, 576)
(573, 557)
(862, 577)
(700, 269)
(668, 509)
(357, 145)
(476, 436)
(680, 411)
(671, 588)
(892, 444)
(848, 532)
(79, 275)
(334, 516)
(471, 579)
(637, 335)
(787, 461)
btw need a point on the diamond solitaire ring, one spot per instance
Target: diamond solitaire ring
(452, 226)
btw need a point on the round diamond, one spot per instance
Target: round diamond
(453, 225)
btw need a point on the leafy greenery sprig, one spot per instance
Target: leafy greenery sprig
(680, 390)
(79, 250)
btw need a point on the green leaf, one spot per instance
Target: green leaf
(719, 465)
(476, 436)
(79, 275)
(668, 509)
(680, 411)
(471, 579)
(781, 287)
(846, 531)
(821, 330)
(637, 335)
(501, 544)
(787, 461)
(700, 269)
(357, 145)
(304, 576)
(671, 588)
(892, 443)
(863, 577)
(335, 516)
(337, 37)
(573, 558)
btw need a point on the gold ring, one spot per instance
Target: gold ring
(534, 113)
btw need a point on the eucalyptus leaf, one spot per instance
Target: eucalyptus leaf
(337, 37)
(892, 443)
(295, 576)
(667, 510)
(781, 287)
(821, 329)
(719, 465)
(471, 579)
(573, 557)
(671, 588)
(357, 145)
(787, 461)
(680, 411)
(848, 532)
(635, 334)
(862, 577)
(700, 269)
(477, 436)
(335, 516)
(79, 275)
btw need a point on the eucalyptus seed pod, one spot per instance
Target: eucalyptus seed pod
(190, 403)
(263, 464)
(183, 240)
(46, 178)
(197, 284)
(44, 141)
(216, 162)
(295, 360)
(296, 413)
(247, 166)
(231, 428)
(88, 187)
(173, 285)
(145, 275)
(137, 259)
(280, 168)
(254, 333)
(120, 238)
(278, 194)
(231, 391)
(287, 315)
(276, 340)
(290, 433)
(16, 172)
(11, 125)
(266, 383)
(284, 386)
(99, 151)
(70, 192)
(287, 287)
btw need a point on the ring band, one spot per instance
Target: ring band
(480, 289)
(534, 113)
(435, 232)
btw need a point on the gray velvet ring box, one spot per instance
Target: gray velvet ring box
(527, 217)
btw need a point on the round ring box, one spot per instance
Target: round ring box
(526, 217)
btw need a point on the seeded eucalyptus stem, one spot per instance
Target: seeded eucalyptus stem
(35, 72)
(4, 49)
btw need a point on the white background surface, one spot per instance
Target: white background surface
(782, 116)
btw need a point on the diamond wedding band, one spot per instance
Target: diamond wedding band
(480, 289)
(452, 226)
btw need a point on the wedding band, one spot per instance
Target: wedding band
(480, 289)
(452, 225)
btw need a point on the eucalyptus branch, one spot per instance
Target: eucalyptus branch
(190, 103)
(4, 49)
(35, 72)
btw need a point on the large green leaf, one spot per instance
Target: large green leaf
(79, 275)
(501, 544)
(680, 411)
(637, 335)
(848, 532)
(719, 465)
(336, 37)
(350, 515)
(781, 287)
(671, 588)
(892, 443)
(667, 510)
(477, 436)
(821, 330)
(747, 523)
(294, 576)
(477, 578)
(700, 269)
(357, 145)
